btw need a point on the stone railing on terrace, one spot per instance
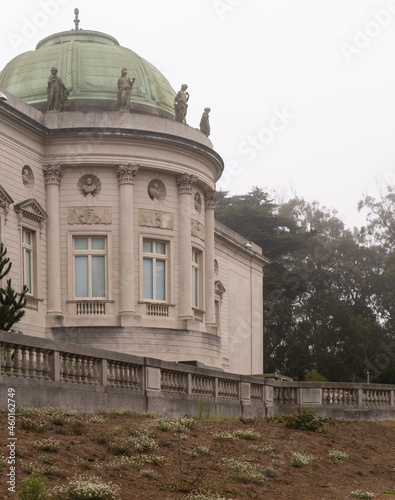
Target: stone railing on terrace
(76, 377)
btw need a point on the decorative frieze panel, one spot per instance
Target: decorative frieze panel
(89, 215)
(156, 218)
(197, 229)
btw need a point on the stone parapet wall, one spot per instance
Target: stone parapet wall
(46, 373)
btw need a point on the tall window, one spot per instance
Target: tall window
(28, 259)
(196, 285)
(90, 266)
(154, 270)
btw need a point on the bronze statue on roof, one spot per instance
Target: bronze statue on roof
(180, 104)
(124, 90)
(56, 92)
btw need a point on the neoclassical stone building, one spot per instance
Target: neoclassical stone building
(108, 216)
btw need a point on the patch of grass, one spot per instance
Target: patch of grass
(49, 444)
(362, 494)
(84, 487)
(251, 434)
(337, 456)
(224, 436)
(301, 459)
(244, 472)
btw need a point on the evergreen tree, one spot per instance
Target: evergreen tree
(11, 303)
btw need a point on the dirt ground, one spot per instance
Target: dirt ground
(191, 459)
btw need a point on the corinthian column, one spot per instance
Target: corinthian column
(53, 175)
(210, 197)
(126, 175)
(185, 183)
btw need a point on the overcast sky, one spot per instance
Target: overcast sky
(302, 92)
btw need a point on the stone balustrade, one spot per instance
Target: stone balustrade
(53, 373)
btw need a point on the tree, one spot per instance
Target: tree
(11, 303)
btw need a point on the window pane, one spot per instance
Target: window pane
(81, 243)
(28, 270)
(161, 248)
(195, 257)
(160, 280)
(195, 287)
(98, 276)
(98, 244)
(148, 290)
(26, 237)
(81, 276)
(148, 246)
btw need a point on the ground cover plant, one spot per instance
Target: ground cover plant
(124, 456)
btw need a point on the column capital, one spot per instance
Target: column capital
(127, 173)
(210, 198)
(185, 182)
(53, 174)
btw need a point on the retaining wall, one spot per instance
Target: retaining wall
(46, 373)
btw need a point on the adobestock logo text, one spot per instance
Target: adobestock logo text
(31, 27)
(363, 36)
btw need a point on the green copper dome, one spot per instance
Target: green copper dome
(89, 64)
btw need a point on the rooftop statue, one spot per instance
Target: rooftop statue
(56, 92)
(124, 90)
(205, 122)
(180, 104)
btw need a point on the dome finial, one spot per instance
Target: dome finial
(76, 20)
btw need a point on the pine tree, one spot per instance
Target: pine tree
(11, 303)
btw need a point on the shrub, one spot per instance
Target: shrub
(301, 459)
(33, 487)
(85, 487)
(47, 444)
(251, 434)
(142, 442)
(267, 448)
(163, 424)
(244, 472)
(362, 494)
(337, 456)
(30, 424)
(205, 496)
(224, 436)
(308, 420)
(147, 473)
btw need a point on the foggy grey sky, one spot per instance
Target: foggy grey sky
(302, 92)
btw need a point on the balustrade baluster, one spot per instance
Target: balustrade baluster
(32, 362)
(24, 365)
(2, 360)
(83, 369)
(73, 368)
(39, 365)
(8, 362)
(65, 367)
(116, 378)
(46, 368)
(110, 373)
(95, 373)
(78, 369)
(17, 361)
